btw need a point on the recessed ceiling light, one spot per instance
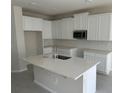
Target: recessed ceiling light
(33, 3)
(88, 0)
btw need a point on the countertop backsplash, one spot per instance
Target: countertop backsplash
(100, 45)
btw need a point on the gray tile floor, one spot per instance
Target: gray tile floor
(23, 83)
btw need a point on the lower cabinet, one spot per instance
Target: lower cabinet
(105, 65)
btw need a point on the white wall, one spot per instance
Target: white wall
(14, 51)
(18, 49)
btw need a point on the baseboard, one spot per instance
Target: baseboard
(21, 70)
(45, 87)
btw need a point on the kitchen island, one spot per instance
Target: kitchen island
(74, 75)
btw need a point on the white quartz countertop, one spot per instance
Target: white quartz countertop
(71, 68)
(104, 52)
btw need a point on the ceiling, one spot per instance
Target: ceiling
(54, 7)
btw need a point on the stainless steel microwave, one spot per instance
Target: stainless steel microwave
(80, 34)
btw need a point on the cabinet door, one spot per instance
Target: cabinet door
(93, 27)
(105, 27)
(32, 24)
(70, 28)
(27, 23)
(47, 33)
(64, 28)
(57, 29)
(81, 21)
(54, 28)
(37, 24)
(67, 28)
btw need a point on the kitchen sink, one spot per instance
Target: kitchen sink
(62, 57)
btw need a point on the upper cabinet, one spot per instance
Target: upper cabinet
(38, 24)
(105, 27)
(93, 27)
(81, 21)
(46, 29)
(99, 27)
(67, 28)
(63, 29)
(32, 23)
(56, 29)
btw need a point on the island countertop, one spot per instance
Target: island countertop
(71, 68)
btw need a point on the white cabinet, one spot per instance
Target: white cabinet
(67, 28)
(105, 27)
(38, 24)
(93, 27)
(56, 29)
(46, 29)
(105, 61)
(81, 21)
(99, 27)
(63, 29)
(32, 23)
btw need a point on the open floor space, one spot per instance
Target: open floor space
(23, 83)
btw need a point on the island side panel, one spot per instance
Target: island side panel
(57, 83)
(89, 80)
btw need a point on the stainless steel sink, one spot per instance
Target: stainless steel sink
(62, 57)
(57, 56)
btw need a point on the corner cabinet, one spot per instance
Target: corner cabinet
(99, 27)
(37, 24)
(32, 23)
